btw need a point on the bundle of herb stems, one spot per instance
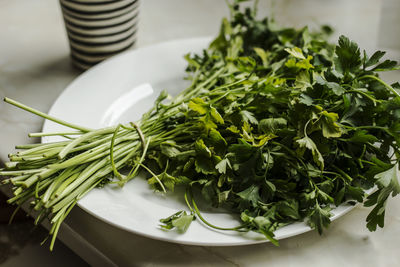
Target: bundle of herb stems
(58, 174)
(277, 126)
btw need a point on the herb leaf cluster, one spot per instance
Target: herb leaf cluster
(291, 128)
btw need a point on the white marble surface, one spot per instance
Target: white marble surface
(35, 68)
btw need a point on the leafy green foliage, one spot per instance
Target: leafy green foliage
(300, 121)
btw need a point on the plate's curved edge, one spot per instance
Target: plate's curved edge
(245, 241)
(177, 241)
(106, 62)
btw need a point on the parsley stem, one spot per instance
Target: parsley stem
(115, 171)
(44, 115)
(154, 175)
(134, 171)
(372, 127)
(374, 101)
(380, 81)
(345, 175)
(83, 138)
(187, 201)
(53, 134)
(198, 214)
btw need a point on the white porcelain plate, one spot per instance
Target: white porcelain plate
(120, 90)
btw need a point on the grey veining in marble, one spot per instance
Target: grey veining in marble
(35, 68)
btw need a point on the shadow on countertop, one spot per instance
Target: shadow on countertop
(15, 236)
(20, 243)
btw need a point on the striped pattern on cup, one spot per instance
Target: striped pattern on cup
(98, 29)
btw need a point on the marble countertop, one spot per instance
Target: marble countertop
(35, 68)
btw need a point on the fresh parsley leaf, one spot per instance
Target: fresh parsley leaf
(348, 54)
(180, 220)
(320, 217)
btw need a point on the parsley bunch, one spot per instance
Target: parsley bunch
(277, 126)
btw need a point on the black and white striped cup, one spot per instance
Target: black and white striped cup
(98, 29)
